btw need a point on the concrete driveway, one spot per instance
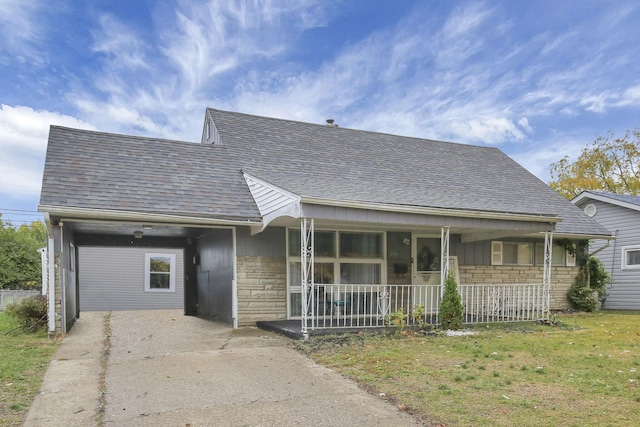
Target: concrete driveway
(161, 368)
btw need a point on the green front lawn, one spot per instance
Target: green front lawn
(582, 372)
(24, 358)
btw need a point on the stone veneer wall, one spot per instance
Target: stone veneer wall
(262, 289)
(561, 278)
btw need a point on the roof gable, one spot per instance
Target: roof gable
(622, 200)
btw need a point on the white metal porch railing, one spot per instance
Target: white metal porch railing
(371, 306)
(504, 303)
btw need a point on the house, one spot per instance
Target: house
(620, 214)
(270, 219)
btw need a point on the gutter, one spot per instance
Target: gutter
(434, 211)
(124, 216)
(575, 236)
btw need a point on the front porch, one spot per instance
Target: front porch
(326, 305)
(353, 308)
(375, 306)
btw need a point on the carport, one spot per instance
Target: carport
(102, 265)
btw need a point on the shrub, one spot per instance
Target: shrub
(599, 278)
(397, 319)
(589, 285)
(32, 312)
(581, 295)
(451, 309)
(418, 316)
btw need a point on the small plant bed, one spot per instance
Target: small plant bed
(24, 358)
(578, 369)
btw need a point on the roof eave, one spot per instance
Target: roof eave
(434, 211)
(120, 215)
(588, 195)
(578, 236)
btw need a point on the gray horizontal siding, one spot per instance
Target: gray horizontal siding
(112, 278)
(625, 225)
(334, 213)
(623, 296)
(270, 243)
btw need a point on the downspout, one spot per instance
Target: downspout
(613, 259)
(606, 245)
(234, 282)
(51, 276)
(613, 252)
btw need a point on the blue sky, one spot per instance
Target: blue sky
(538, 79)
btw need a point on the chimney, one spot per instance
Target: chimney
(330, 123)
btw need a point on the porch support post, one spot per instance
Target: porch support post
(546, 274)
(307, 274)
(444, 256)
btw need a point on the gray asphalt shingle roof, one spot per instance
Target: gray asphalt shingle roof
(98, 170)
(634, 200)
(335, 163)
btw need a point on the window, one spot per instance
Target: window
(361, 245)
(528, 253)
(160, 272)
(630, 257)
(516, 253)
(341, 257)
(559, 256)
(324, 243)
(360, 274)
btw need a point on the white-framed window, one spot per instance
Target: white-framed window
(341, 257)
(517, 253)
(528, 253)
(560, 256)
(630, 257)
(159, 272)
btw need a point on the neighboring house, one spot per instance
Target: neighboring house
(224, 229)
(621, 215)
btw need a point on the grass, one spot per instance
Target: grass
(583, 371)
(24, 358)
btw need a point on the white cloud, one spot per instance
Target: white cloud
(630, 97)
(465, 78)
(23, 142)
(490, 130)
(160, 86)
(121, 44)
(208, 40)
(20, 30)
(524, 125)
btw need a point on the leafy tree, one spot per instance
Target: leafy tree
(608, 164)
(19, 258)
(451, 309)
